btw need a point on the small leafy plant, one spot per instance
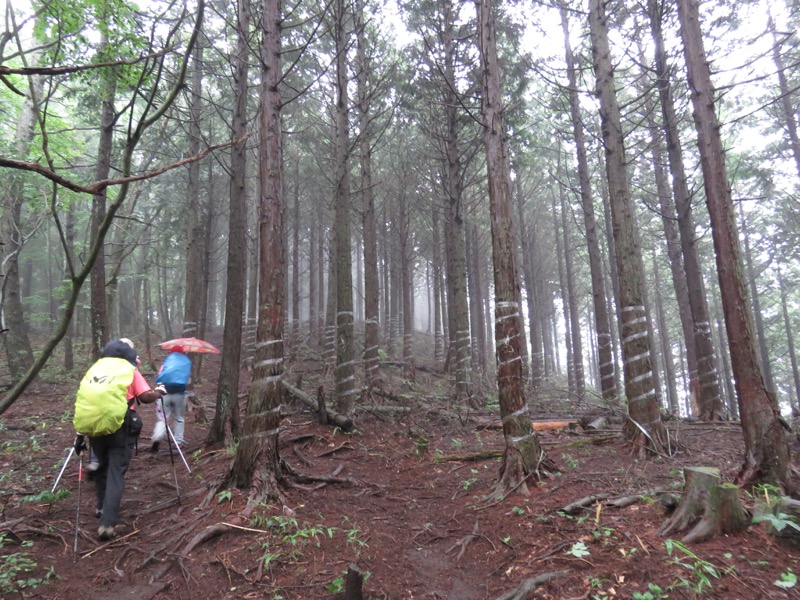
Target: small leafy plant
(787, 581)
(578, 550)
(701, 571)
(653, 592)
(16, 570)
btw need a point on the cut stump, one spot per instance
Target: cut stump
(353, 584)
(709, 506)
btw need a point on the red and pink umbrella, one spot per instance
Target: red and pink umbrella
(187, 345)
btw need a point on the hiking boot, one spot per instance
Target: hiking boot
(98, 512)
(105, 533)
(92, 466)
(154, 447)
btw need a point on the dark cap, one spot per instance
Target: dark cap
(119, 349)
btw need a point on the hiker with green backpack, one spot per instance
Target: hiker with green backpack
(105, 412)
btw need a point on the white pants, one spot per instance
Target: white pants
(175, 409)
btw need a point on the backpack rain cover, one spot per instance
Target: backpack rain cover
(102, 399)
(175, 372)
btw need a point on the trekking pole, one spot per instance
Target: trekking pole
(61, 472)
(171, 438)
(172, 460)
(163, 415)
(178, 448)
(77, 510)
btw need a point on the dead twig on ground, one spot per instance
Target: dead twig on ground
(342, 446)
(109, 544)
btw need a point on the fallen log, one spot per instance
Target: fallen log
(709, 506)
(583, 503)
(544, 425)
(471, 456)
(344, 423)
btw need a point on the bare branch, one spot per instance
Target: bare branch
(98, 186)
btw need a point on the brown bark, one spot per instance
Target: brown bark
(227, 410)
(527, 246)
(256, 465)
(605, 354)
(346, 390)
(371, 281)
(666, 350)
(524, 456)
(438, 288)
(644, 428)
(755, 297)
(766, 451)
(564, 293)
(708, 392)
(314, 267)
(475, 286)
(406, 284)
(195, 224)
(97, 295)
(787, 95)
(295, 334)
(455, 235)
(572, 296)
(787, 325)
(711, 508)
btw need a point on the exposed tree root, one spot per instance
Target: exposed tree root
(464, 542)
(206, 534)
(153, 508)
(524, 589)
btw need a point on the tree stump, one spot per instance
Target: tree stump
(708, 506)
(353, 584)
(322, 411)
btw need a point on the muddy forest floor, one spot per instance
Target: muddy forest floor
(413, 518)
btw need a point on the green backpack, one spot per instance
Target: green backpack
(102, 400)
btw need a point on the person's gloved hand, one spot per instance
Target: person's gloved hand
(80, 444)
(161, 389)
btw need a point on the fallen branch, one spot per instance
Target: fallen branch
(112, 542)
(470, 456)
(583, 502)
(543, 425)
(385, 409)
(344, 423)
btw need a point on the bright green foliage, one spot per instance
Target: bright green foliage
(653, 592)
(579, 550)
(16, 570)
(701, 572)
(787, 581)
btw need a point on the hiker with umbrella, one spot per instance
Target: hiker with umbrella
(175, 376)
